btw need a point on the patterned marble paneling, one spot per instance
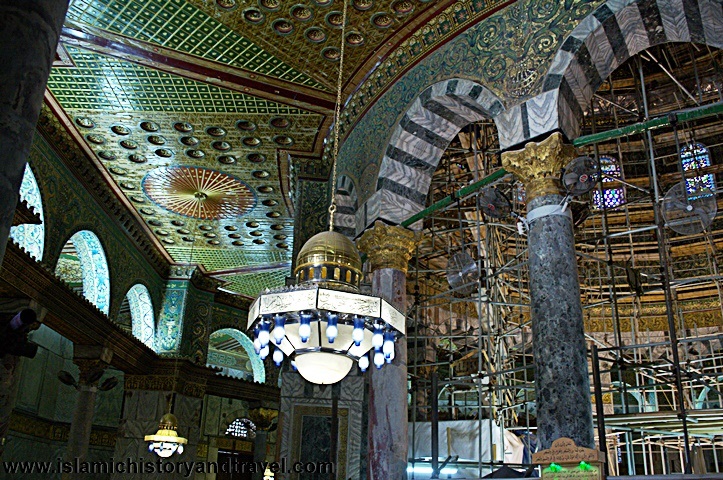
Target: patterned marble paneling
(312, 215)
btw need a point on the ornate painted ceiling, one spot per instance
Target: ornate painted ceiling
(196, 109)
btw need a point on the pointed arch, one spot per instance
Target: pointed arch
(93, 268)
(31, 237)
(607, 38)
(416, 146)
(143, 324)
(257, 366)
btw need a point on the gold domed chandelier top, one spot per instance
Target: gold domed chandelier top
(329, 259)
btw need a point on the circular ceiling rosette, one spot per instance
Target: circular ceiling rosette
(198, 192)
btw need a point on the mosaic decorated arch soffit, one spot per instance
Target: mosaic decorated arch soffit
(202, 166)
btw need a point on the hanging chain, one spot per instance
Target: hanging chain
(337, 118)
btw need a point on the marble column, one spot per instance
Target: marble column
(388, 249)
(29, 31)
(92, 362)
(562, 384)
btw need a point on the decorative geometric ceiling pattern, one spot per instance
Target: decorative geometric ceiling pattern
(251, 284)
(137, 120)
(178, 25)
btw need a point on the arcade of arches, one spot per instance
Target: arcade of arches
(555, 163)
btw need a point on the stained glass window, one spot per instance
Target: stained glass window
(31, 237)
(242, 427)
(610, 197)
(142, 321)
(695, 156)
(94, 269)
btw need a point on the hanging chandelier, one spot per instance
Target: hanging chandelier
(323, 323)
(165, 442)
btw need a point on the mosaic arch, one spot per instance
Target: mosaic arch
(257, 366)
(346, 206)
(94, 269)
(607, 38)
(417, 143)
(143, 324)
(31, 237)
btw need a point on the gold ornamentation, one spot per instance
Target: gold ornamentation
(165, 383)
(388, 246)
(538, 165)
(263, 418)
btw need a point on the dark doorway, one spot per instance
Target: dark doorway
(242, 460)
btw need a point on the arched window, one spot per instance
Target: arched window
(84, 249)
(31, 237)
(611, 197)
(242, 428)
(233, 352)
(142, 321)
(695, 156)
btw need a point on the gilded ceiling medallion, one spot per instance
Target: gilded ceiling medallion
(363, 5)
(382, 20)
(323, 3)
(221, 145)
(271, 5)
(234, 235)
(277, 227)
(226, 4)
(255, 233)
(127, 186)
(273, 214)
(156, 140)
(246, 125)
(147, 211)
(237, 243)
(205, 228)
(150, 126)
(331, 53)
(105, 155)
(198, 192)
(354, 39)
(231, 228)
(259, 241)
(270, 203)
(128, 144)
(252, 224)
(227, 159)
(266, 189)
(282, 26)
(402, 7)
(168, 241)
(187, 239)
(118, 171)
(162, 233)
(280, 122)
(315, 35)
(334, 19)
(136, 158)
(183, 127)
(164, 152)
(214, 242)
(183, 231)
(283, 140)
(280, 236)
(251, 141)
(256, 158)
(261, 174)
(85, 122)
(216, 131)
(302, 13)
(282, 245)
(177, 223)
(253, 16)
(209, 235)
(138, 199)
(194, 153)
(97, 139)
(155, 223)
(120, 130)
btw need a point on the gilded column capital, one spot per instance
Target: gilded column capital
(538, 165)
(91, 370)
(263, 417)
(388, 246)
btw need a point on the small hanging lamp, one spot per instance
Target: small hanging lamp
(165, 442)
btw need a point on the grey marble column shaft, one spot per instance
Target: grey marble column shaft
(80, 428)
(388, 450)
(29, 31)
(9, 383)
(562, 384)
